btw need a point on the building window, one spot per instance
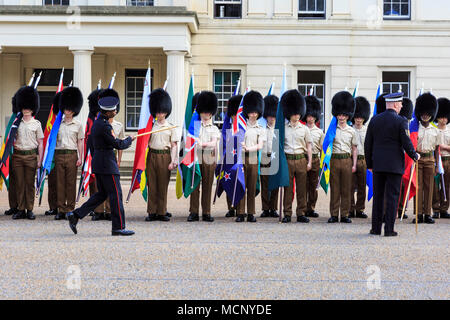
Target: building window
(134, 88)
(56, 2)
(313, 82)
(311, 9)
(225, 82)
(140, 3)
(396, 81)
(50, 77)
(397, 9)
(226, 9)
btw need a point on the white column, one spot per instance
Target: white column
(82, 76)
(176, 86)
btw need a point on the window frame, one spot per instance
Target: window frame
(52, 4)
(226, 2)
(126, 106)
(324, 13)
(233, 85)
(391, 83)
(129, 3)
(399, 17)
(315, 85)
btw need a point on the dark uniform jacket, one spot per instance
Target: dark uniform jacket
(386, 143)
(104, 160)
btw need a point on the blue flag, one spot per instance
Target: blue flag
(369, 175)
(47, 162)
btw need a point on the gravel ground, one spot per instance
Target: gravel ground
(222, 260)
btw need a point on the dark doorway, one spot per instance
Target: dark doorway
(46, 98)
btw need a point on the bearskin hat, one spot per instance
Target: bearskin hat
(270, 106)
(109, 93)
(233, 105)
(293, 103)
(443, 109)
(94, 108)
(27, 98)
(313, 108)
(381, 103)
(362, 109)
(426, 104)
(55, 102)
(207, 102)
(14, 104)
(407, 109)
(253, 102)
(343, 103)
(160, 102)
(71, 99)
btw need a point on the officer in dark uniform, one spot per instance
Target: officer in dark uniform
(387, 137)
(104, 166)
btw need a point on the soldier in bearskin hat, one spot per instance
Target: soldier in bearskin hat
(28, 151)
(206, 107)
(344, 158)
(269, 199)
(312, 118)
(360, 118)
(428, 141)
(298, 149)
(253, 142)
(12, 197)
(441, 200)
(69, 150)
(162, 156)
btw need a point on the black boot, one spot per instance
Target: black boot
(251, 218)
(351, 214)
(96, 217)
(240, 218)
(445, 215)
(151, 217)
(436, 215)
(30, 215)
(163, 218)
(274, 213)
(168, 214)
(73, 220)
(286, 219)
(60, 216)
(231, 213)
(193, 217)
(346, 220)
(311, 214)
(428, 219)
(265, 214)
(333, 220)
(51, 212)
(107, 216)
(399, 216)
(420, 219)
(11, 211)
(361, 215)
(302, 219)
(207, 218)
(19, 215)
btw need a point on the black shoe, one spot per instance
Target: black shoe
(274, 214)
(107, 216)
(391, 234)
(251, 218)
(91, 214)
(265, 214)
(375, 233)
(399, 216)
(30, 215)
(122, 232)
(231, 213)
(302, 219)
(151, 217)
(193, 217)
(420, 220)
(51, 212)
(11, 211)
(60, 216)
(333, 220)
(207, 218)
(445, 215)
(428, 219)
(311, 214)
(286, 219)
(19, 215)
(168, 214)
(163, 218)
(97, 216)
(351, 214)
(361, 215)
(240, 218)
(73, 220)
(436, 215)
(346, 220)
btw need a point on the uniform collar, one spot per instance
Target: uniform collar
(297, 124)
(255, 125)
(207, 123)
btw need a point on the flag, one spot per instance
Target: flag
(5, 166)
(327, 150)
(369, 174)
(281, 178)
(8, 145)
(87, 173)
(413, 134)
(179, 185)
(51, 144)
(375, 112)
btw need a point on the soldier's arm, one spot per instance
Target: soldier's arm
(368, 143)
(115, 143)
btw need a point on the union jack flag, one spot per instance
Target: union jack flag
(239, 121)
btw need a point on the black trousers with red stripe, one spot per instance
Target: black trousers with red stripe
(108, 186)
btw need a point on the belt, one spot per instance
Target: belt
(295, 156)
(361, 158)
(445, 158)
(165, 151)
(25, 152)
(315, 156)
(426, 154)
(206, 152)
(63, 151)
(251, 154)
(340, 156)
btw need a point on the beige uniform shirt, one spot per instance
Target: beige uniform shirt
(360, 138)
(68, 135)
(317, 137)
(344, 140)
(162, 140)
(429, 138)
(296, 138)
(118, 129)
(255, 133)
(445, 134)
(269, 131)
(28, 135)
(208, 132)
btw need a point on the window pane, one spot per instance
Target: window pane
(302, 5)
(320, 5)
(224, 85)
(316, 81)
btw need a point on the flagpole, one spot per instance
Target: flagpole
(281, 204)
(132, 184)
(31, 79)
(407, 191)
(417, 201)
(80, 188)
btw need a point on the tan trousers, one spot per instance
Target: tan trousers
(105, 206)
(340, 185)
(251, 177)
(426, 172)
(297, 170)
(66, 181)
(359, 184)
(24, 167)
(269, 199)
(312, 180)
(207, 171)
(12, 192)
(439, 202)
(52, 190)
(158, 176)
